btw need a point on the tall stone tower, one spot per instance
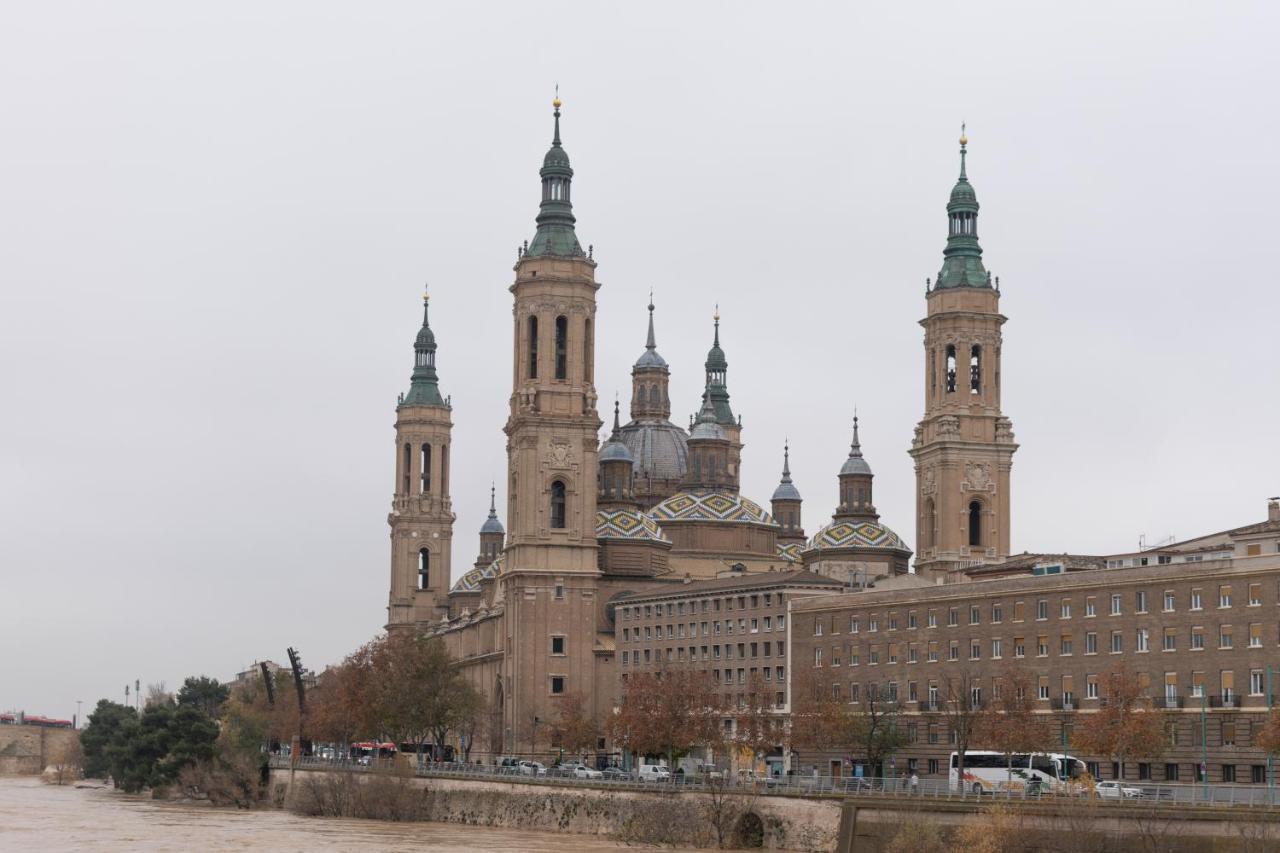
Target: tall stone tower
(421, 516)
(550, 572)
(963, 446)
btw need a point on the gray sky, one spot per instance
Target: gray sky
(217, 220)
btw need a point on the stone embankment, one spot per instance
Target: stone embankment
(28, 750)
(682, 818)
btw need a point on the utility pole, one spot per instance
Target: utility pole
(78, 701)
(137, 693)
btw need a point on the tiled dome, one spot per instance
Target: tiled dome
(856, 534)
(628, 524)
(710, 506)
(470, 582)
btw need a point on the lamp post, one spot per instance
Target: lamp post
(78, 726)
(1204, 737)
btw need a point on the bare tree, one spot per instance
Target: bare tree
(1126, 726)
(667, 713)
(962, 708)
(1009, 723)
(867, 728)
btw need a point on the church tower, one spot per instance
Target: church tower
(717, 393)
(786, 503)
(553, 425)
(421, 516)
(963, 446)
(550, 575)
(491, 534)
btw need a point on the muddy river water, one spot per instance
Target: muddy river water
(39, 817)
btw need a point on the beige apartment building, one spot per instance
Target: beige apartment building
(1199, 622)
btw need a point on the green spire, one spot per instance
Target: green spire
(962, 259)
(423, 390)
(717, 388)
(555, 234)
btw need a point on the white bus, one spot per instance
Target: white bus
(1040, 772)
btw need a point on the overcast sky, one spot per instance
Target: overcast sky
(217, 220)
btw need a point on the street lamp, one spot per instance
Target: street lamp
(1204, 737)
(78, 725)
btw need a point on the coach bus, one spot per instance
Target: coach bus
(1039, 772)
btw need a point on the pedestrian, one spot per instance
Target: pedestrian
(915, 783)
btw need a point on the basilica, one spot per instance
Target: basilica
(647, 509)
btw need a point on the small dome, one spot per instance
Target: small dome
(556, 158)
(786, 491)
(716, 359)
(715, 506)
(962, 193)
(707, 430)
(492, 525)
(426, 338)
(628, 524)
(615, 450)
(856, 534)
(650, 358)
(854, 465)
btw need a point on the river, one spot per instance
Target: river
(39, 817)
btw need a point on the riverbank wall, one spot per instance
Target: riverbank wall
(28, 750)
(686, 818)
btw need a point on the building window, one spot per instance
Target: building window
(1141, 601)
(975, 524)
(1090, 606)
(562, 347)
(953, 617)
(1064, 647)
(424, 569)
(1225, 639)
(1255, 635)
(997, 613)
(1224, 595)
(1042, 609)
(975, 369)
(933, 619)
(1197, 637)
(1197, 603)
(951, 368)
(1019, 647)
(1091, 687)
(557, 645)
(533, 347)
(1168, 601)
(997, 648)
(1256, 682)
(1065, 611)
(1144, 640)
(973, 615)
(1115, 604)
(1117, 642)
(1255, 595)
(557, 684)
(426, 468)
(817, 657)
(1091, 643)
(933, 767)
(1228, 771)
(557, 504)
(1170, 639)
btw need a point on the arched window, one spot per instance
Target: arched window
(975, 369)
(975, 524)
(424, 569)
(653, 395)
(405, 473)
(557, 504)
(951, 368)
(562, 347)
(928, 524)
(426, 468)
(533, 347)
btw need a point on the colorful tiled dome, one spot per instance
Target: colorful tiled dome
(628, 524)
(790, 552)
(856, 534)
(470, 582)
(710, 506)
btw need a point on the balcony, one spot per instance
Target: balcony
(1172, 702)
(1062, 704)
(1230, 700)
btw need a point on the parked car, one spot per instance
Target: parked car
(654, 773)
(509, 766)
(578, 770)
(1115, 791)
(533, 768)
(617, 774)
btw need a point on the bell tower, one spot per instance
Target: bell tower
(553, 425)
(963, 446)
(421, 516)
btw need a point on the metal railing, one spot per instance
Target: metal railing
(1132, 794)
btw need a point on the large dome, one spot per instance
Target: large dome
(659, 448)
(714, 506)
(628, 524)
(856, 534)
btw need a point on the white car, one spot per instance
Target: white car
(533, 768)
(1116, 791)
(578, 770)
(654, 773)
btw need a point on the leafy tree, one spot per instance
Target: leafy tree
(1126, 725)
(340, 706)
(1269, 736)
(418, 694)
(207, 694)
(103, 723)
(151, 750)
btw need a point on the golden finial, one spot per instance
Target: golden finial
(426, 296)
(964, 140)
(716, 316)
(556, 103)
